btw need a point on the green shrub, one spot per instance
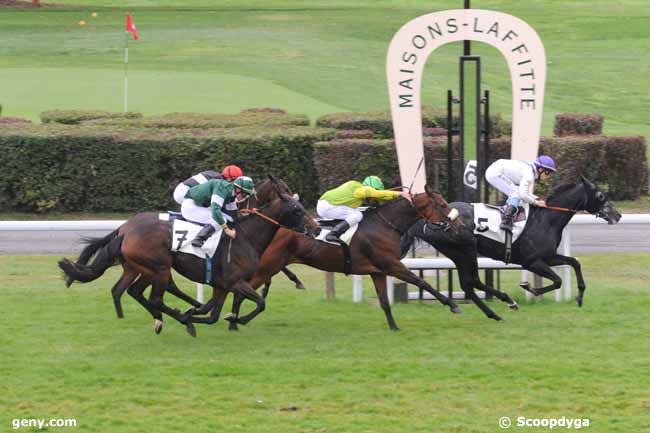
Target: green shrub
(578, 124)
(382, 126)
(616, 164)
(209, 120)
(338, 161)
(71, 168)
(74, 117)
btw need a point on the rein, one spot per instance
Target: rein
(564, 209)
(254, 211)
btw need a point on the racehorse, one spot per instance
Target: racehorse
(536, 248)
(265, 191)
(374, 250)
(143, 247)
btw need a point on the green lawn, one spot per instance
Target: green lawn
(311, 365)
(313, 57)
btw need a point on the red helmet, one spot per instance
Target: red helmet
(231, 172)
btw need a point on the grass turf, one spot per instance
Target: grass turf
(311, 365)
(314, 57)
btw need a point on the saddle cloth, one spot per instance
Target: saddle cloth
(184, 233)
(345, 237)
(487, 219)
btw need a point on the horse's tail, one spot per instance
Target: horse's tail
(94, 245)
(108, 251)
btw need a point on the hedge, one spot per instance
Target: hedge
(381, 122)
(338, 161)
(75, 117)
(617, 164)
(207, 120)
(578, 124)
(70, 168)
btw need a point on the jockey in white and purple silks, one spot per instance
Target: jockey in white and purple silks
(516, 179)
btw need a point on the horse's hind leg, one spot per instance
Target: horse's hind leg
(159, 283)
(173, 289)
(379, 280)
(512, 304)
(127, 278)
(216, 304)
(467, 284)
(400, 271)
(290, 275)
(558, 260)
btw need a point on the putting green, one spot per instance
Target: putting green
(26, 93)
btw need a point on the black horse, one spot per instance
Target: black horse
(536, 248)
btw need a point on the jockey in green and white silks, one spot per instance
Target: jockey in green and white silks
(207, 202)
(342, 202)
(230, 173)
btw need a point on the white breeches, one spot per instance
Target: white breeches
(350, 215)
(179, 192)
(193, 212)
(495, 178)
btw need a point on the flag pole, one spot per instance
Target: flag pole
(126, 71)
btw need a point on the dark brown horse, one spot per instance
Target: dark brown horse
(374, 250)
(143, 247)
(265, 192)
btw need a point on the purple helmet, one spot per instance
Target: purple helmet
(545, 162)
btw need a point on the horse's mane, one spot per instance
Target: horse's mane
(559, 190)
(385, 205)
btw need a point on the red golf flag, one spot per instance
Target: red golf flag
(130, 27)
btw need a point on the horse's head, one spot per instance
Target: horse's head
(292, 215)
(273, 188)
(598, 204)
(433, 207)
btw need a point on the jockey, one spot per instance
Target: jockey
(342, 203)
(516, 179)
(206, 201)
(229, 172)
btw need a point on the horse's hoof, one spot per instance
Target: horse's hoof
(157, 326)
(191, 330)
(579, 301)
(230, 318)
(300, 286)
(525, 286)
(513, 306)
(497, 318)
(233, 327)
(395, 328)
(455, 309)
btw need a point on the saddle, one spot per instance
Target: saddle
(519, 216)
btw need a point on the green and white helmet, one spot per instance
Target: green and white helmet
(374, 182)
(245, 183)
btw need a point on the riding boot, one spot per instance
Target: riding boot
(203, 236)
(508, 215)
(337, 231)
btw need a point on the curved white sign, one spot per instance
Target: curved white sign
(407, 55)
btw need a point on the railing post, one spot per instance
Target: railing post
(330, 292)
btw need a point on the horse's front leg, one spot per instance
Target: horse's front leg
(214, 306)
(558, 260)
(236, 305)
(541, 268)
(249, 293)
(290, 275)
(379, 280)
